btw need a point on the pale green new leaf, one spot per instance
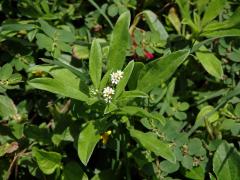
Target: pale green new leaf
(48, 162)
(95, 63)
(153, 144)
(119, 43)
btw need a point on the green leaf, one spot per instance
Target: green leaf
(18, 27)
(80, 52)
(196, 173)
(15, 78)
(109, 108)
(186, 14)
(169, 167)
(58, 87)
(187, 162)
(203, 115)
(95, 63)
(6, 72)
(155, 25)
(88, 138)
(47, 161)
(137, 111)
(214, 8)
(226, 162)
(132, 94)
(174, 19)
(35, 133)
(123, 82)
(65, 36)
(210, 62)
(7, 107)
(73, 171)
(222, 33)
(119, 43)
(47, 29)
(157, 72)
(152, 143)
(44, 42)
(233, 21)
(112, 10)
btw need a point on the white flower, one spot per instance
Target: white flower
(108, 92)
(116, 77)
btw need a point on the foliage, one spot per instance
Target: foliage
(119, 89)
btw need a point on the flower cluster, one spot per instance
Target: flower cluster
(108, 92)
(116, 77)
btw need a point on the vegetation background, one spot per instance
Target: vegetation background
(120, 89)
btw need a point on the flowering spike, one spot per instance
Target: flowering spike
(116, 77)
(108, 92)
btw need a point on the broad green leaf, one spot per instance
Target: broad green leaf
(152, 143)
(65, 62)
(210, 62)
(58, 87)
(73, 171)
(123, 82)
(196, 173)
(169, 167)
(95, 63)
(157, 72)
(7, 107)
(44, 42)
(213, 10)
(47, 161)
(137, 111)
(233, 21)
(65, 36)
(132, 94)
(187, 162)
(119, 43)
(88, 138)
(155, 25)
(226, 162)
(222, 33)
(47, 29)
(6, 72)
(18, 27)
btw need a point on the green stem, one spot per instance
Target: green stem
(101, 12)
